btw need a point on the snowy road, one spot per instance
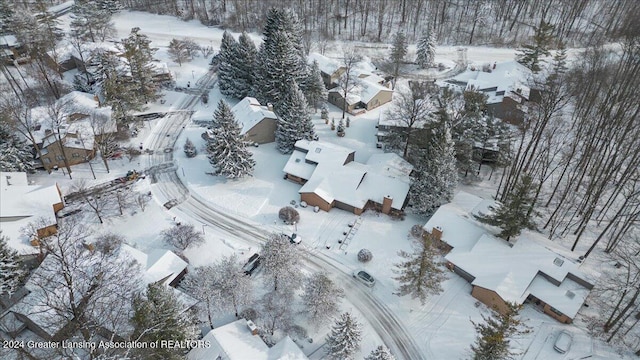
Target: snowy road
(169, 187)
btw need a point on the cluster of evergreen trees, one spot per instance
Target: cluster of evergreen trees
(277, 74)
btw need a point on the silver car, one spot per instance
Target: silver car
(364, 277)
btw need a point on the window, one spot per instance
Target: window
(59, 157)
(47, 160)
(555, 311)
(75, 155)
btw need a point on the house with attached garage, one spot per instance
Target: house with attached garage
(22, 203)
(527, 271)
(504, 84)
(330, 69)
(363, 96)
(331, 178)
(258, 122)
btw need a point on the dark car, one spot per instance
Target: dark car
(252, 264)
(364, 277)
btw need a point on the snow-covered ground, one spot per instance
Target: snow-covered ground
(442, 327)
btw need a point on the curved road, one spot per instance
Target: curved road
(386, 324)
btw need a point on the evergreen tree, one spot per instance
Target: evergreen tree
(6, 13)
(227, 150)
(245, 67)
(294, 121)
(344, 339)
(278, 64)
(178, 51)
(90, 21)
(115, 87)
(190, 149)
(340, 129)
(420, 273)
(530, 54)
(11, 271)
(139, 55)
(516, 213)
(380, 353)
(398, 52)
(321, 298)
(285, 20)
(316, 92)
(426, 49)
(228, 56)
(15, 154)
(111, 6)
(493, 337)
(158, 315)
(436, 175)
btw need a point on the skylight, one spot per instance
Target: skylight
(558, 262)
(570, 294)
(318, 150)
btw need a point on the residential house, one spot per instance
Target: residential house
(22, 203)
(504, 84)
(11, 50)
(32, 312)
(331, 178)
(365, 95)
(258, 122)
(76, 139)
(239, 340)
(524, 271)
(330, 69)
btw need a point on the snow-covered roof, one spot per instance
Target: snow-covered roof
(363, 91)
(8, 41)
(506, 79)
(159, 264)
(325, 64)
(352, 183)
(248, 112)
(526, 268)
(459, 229)
(22, 203)
(234, 341)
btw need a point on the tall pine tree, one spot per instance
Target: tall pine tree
(493, 337)
(227, 70)
(11, 271)
(316, 92)
(139, 55)
(344, 339)
(398, 52)
(15, 153)
(436, 175)
(159, 315)
(227, 150)
(420, 273)
(426, 49)
(516, 213)
(530, 54)
(245, 67)
(294, 121)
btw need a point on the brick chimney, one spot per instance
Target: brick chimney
(386, 204)
(252, 327)
(436, 232)
(270, 106)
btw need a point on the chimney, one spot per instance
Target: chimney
(252, 327)
(386, 204)
(270, 106)
(437, 233)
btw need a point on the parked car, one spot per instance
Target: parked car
(563, 342)
(293, 238)
(364, 277)
(252, 264)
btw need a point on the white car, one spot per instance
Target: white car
(364, 277)
(563, 342)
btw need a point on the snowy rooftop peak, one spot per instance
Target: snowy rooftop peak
(248, 112)
(326, 65)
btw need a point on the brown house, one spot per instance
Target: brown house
(71, 146)
(364, 96)
(331, 178)
(258, 122)
(525, 271)
(331, 70)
